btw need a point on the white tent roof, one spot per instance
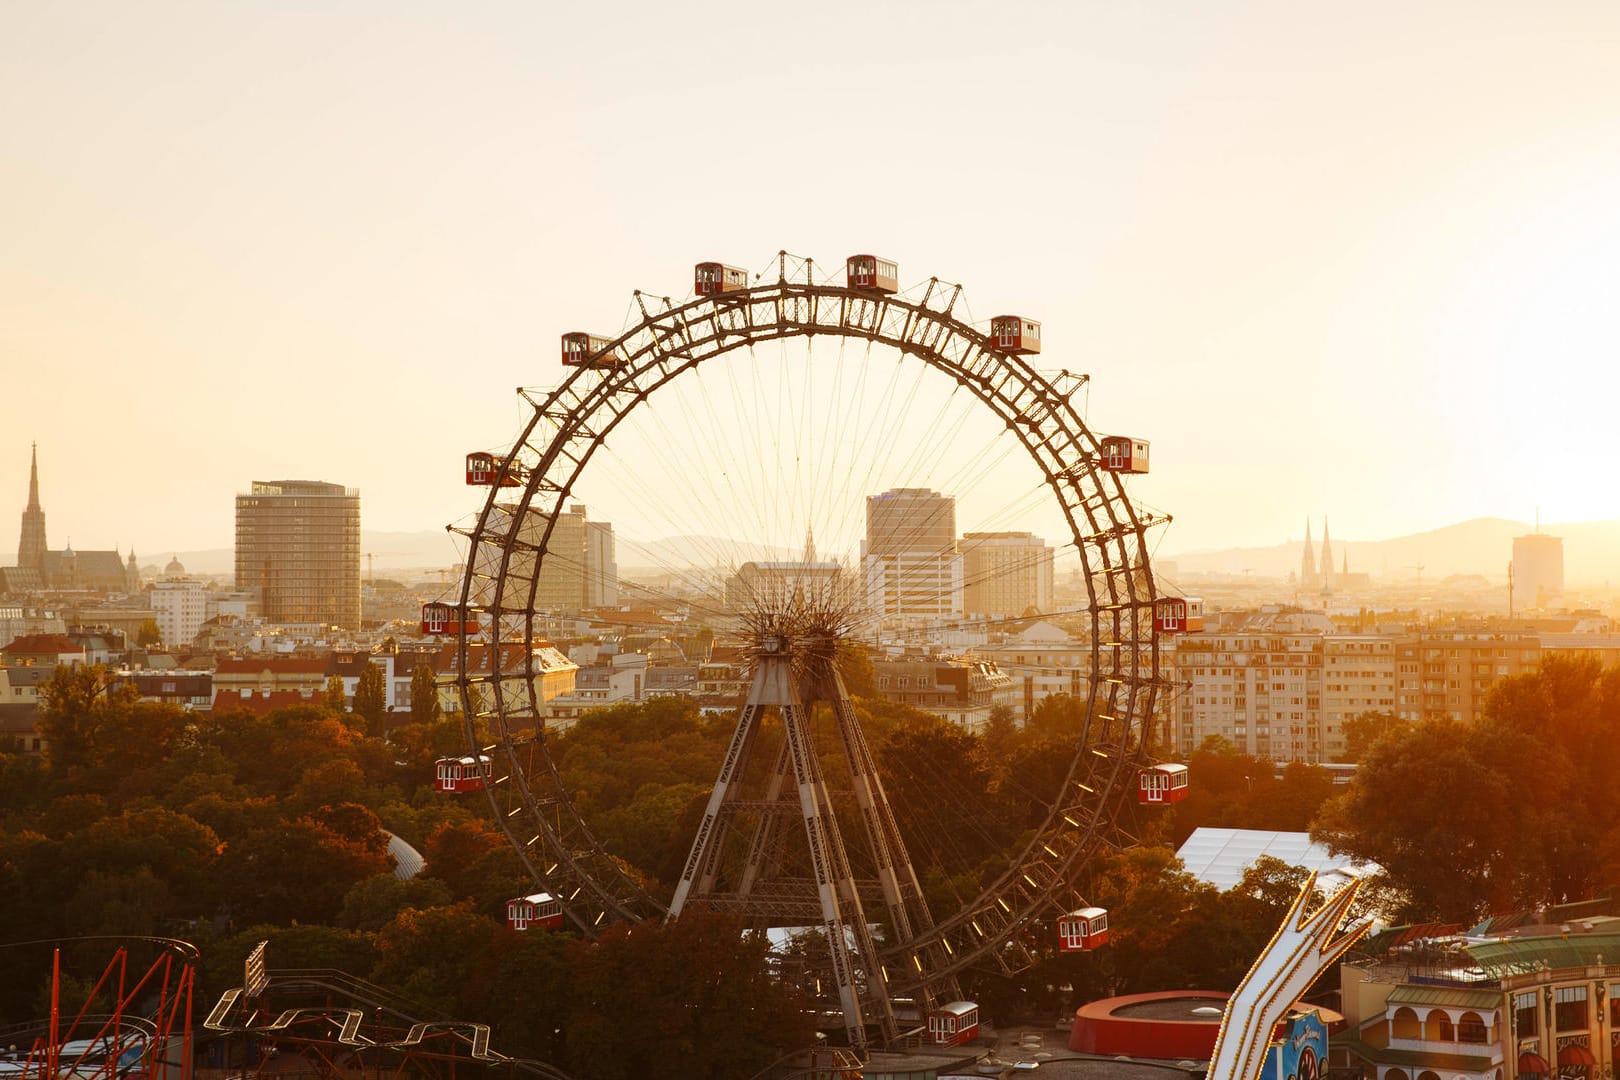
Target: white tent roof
(1220, 856)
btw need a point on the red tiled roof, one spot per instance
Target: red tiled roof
(260, 704)
(40, 644)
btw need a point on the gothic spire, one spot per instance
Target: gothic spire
(1307, 561)
(33, 477)
(1327, 556)
(31, 541)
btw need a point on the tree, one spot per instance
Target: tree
(1361, 732)
(148, 634)
(335, 699)
(1445, 811)
(371, 699)
(425, 707)
(697, 991)
(376, 901)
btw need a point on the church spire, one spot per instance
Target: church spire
(1327, 556)
(809, 545)
(1307, 561)
(31, 542)
(33, 477)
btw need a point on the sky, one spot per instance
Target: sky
(1355, 260)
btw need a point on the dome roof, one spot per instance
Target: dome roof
(175, 566)
(408, 862)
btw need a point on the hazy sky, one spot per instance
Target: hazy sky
(1354, 259)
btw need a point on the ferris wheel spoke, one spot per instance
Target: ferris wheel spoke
(736, 458)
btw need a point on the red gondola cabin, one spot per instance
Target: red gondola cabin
(1121, 453)
(1015, 334)
(484, 469)
(868, 273)
(439, 617)
(1162, 784)
(953, 1024)
(1178, 614)
(712, 279)
(1086, 928)
(580, 349)
(457, 774)
(541, 909)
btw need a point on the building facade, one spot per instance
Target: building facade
(180, 607)
(912, 570)
(1538, 572)
(298, 549)
(1537, 999)
(1005, 575)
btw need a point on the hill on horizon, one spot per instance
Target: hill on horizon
(1481, 546)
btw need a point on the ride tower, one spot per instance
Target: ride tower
(794, 645)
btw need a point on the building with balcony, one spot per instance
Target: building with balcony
(1529, 995)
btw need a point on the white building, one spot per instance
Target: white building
(180, 607)
(909, 560)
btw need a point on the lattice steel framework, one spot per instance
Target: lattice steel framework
(500, 685)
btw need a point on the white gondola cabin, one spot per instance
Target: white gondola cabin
(712, 279)
(1015, 334)
(1123, 454)
(457, 774)
(580, 349)
(484, 469)
(439, 617)
(1162, 784)
(868, 273)
(1178, 614)
(954, 1023)
(1086, 928)
(541, 909)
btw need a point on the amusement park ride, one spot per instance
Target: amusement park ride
(770, 846)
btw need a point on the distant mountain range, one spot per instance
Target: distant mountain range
(1482, 546)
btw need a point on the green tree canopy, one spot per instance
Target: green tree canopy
(371, 698)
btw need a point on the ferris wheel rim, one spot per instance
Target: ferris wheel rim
(923, 332)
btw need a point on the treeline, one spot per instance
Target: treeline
(231, 828)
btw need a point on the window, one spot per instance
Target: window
(1569, 1008)
(1526, 1016)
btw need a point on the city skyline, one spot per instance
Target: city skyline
(1358, 260)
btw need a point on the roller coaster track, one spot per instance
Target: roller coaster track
(365, 1000)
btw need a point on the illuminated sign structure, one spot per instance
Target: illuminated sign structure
(1302, 948)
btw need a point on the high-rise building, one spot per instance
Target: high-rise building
(912, 568)
(1005, 574)
(581, 567)
(601, 565)
(562, 573)
(298, 550)
(1538, 571)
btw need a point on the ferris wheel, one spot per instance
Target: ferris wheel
(805, 392)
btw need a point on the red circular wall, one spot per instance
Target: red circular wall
(1098, 1029)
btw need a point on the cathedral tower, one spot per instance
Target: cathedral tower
(1307, 562)
(1327, 558)
(31, 544)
